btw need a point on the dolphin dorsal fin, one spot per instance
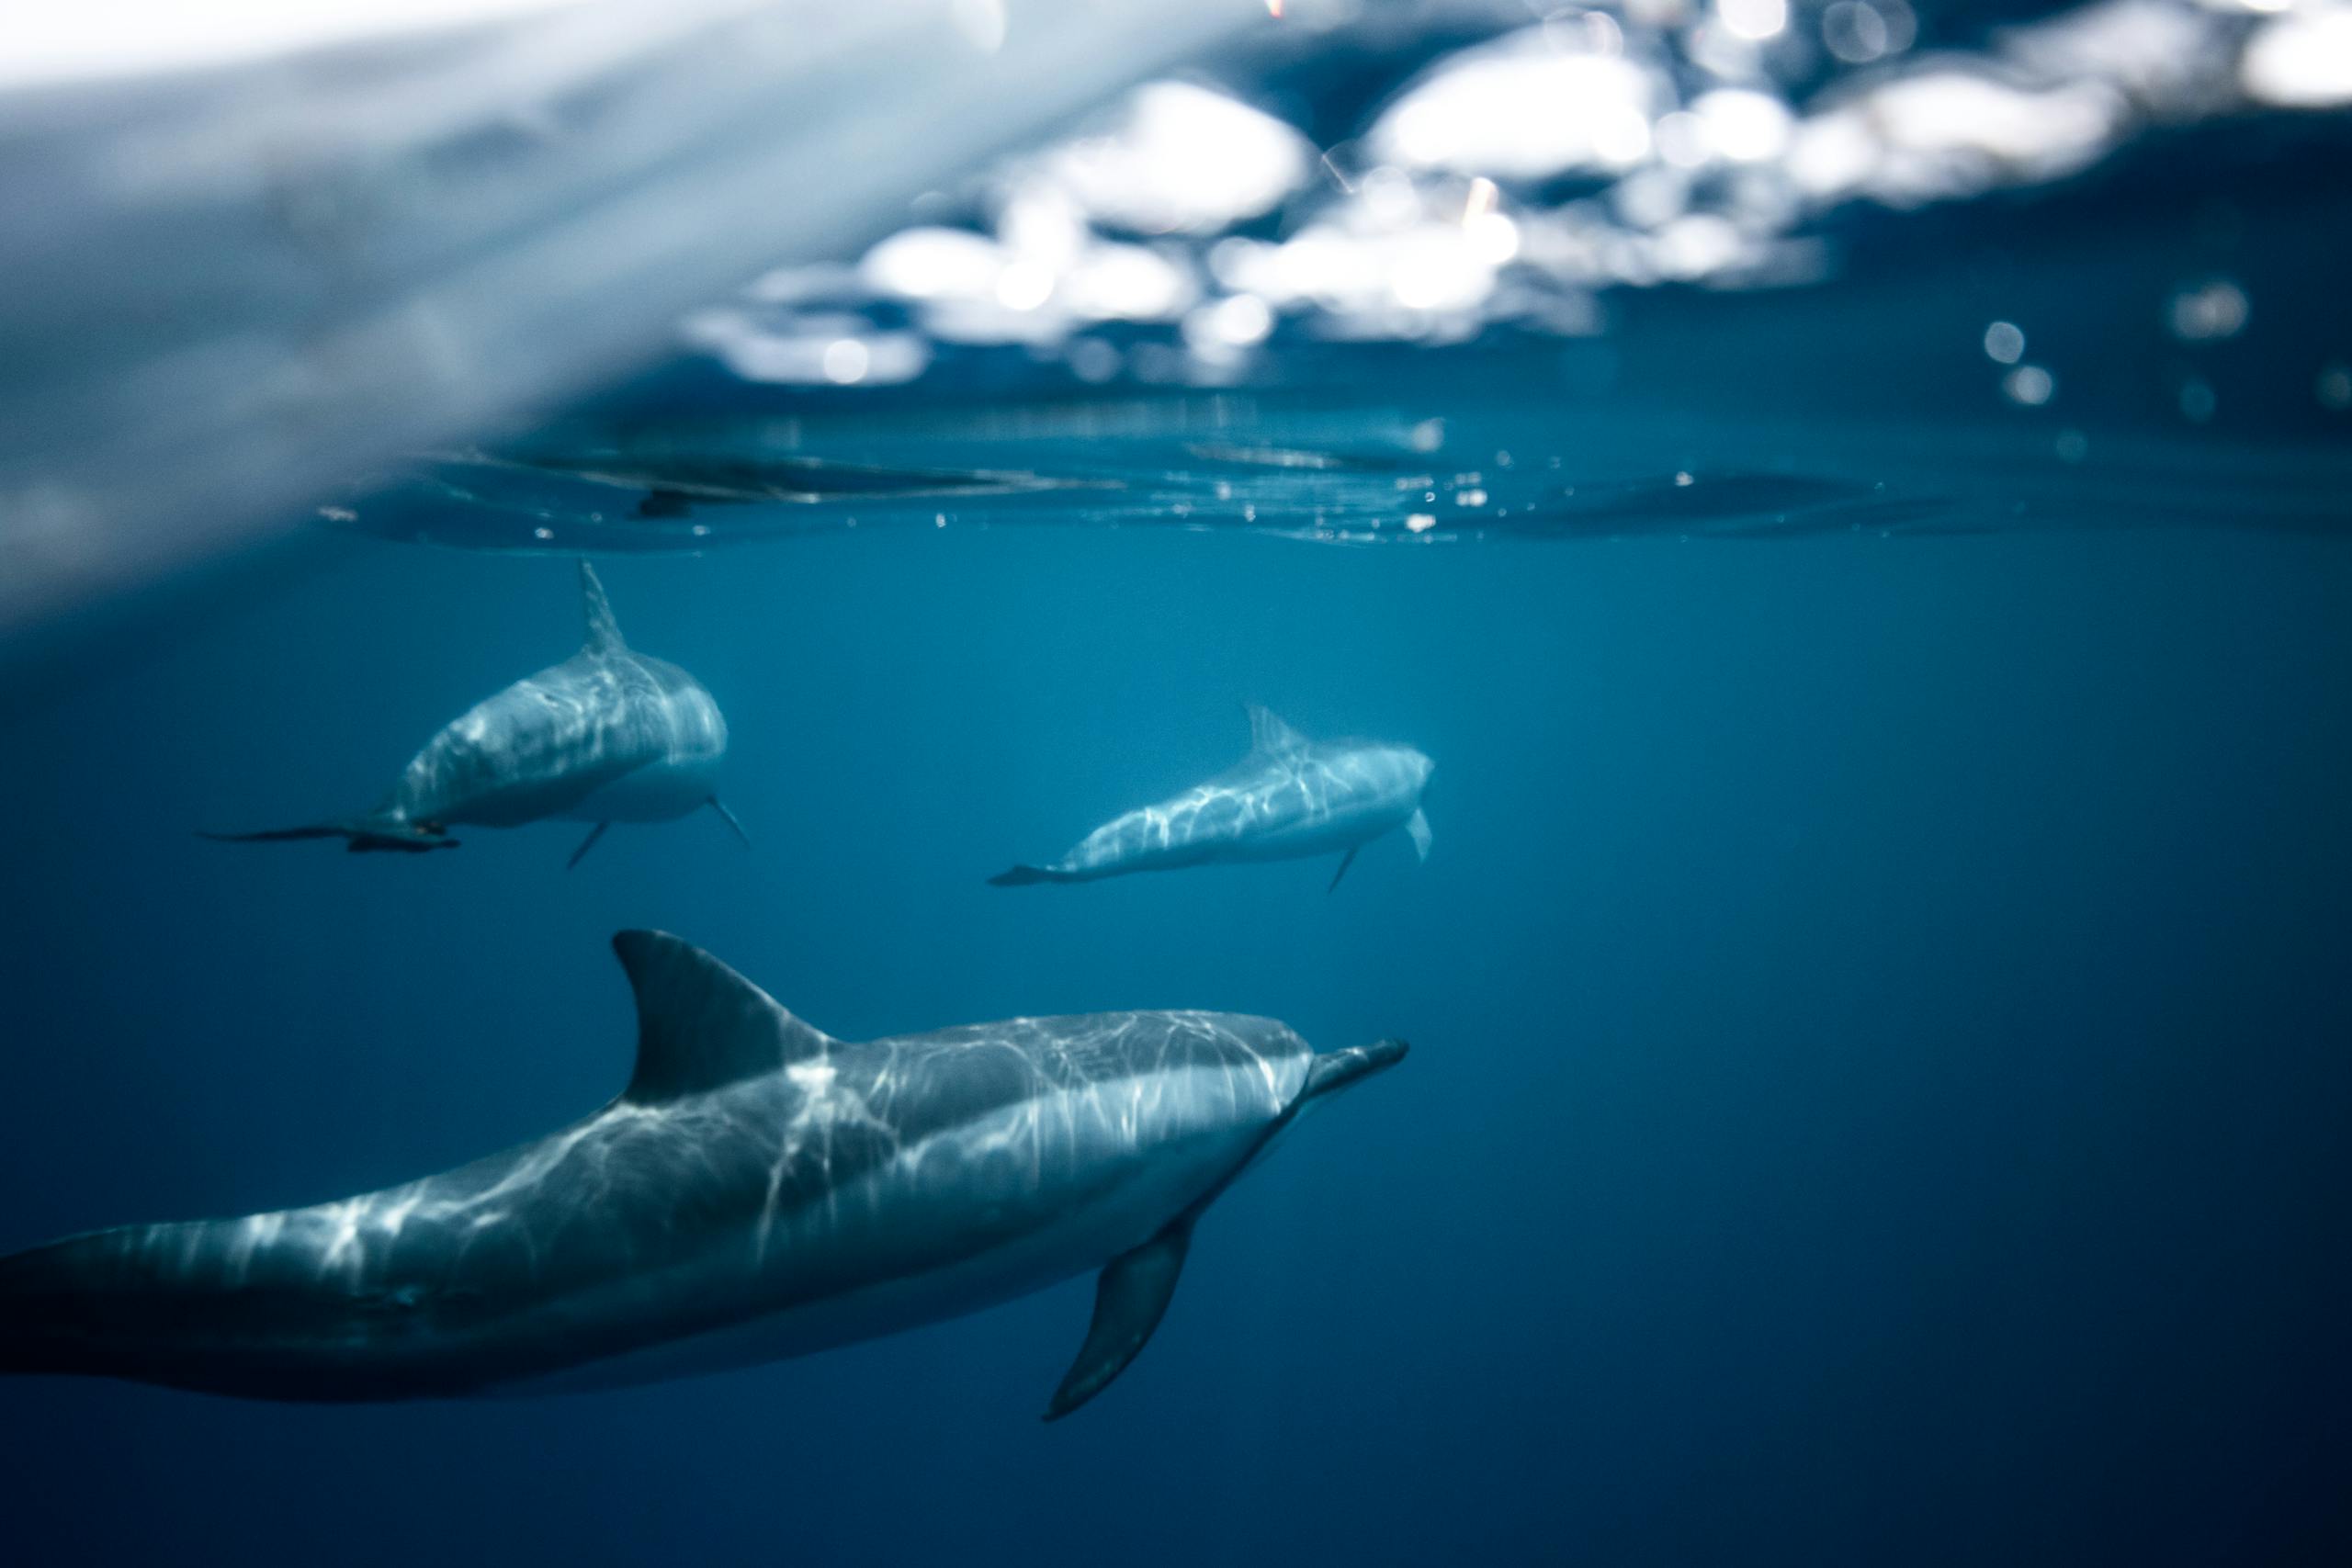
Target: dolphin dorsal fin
(699, 1024)
(604, 632)
(1270, 734)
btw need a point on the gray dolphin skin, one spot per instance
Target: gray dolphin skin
(759, 1191)
(610, 735)
(1290, 799)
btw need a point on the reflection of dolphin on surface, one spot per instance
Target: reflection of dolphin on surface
(607, 736)
(1288, 800)
(759, 1191)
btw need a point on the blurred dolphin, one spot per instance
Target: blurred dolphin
(607, 736)
(1290, 799)
(759, 1191)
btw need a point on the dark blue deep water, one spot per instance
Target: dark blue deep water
(1881, 1014)
(1881, 993)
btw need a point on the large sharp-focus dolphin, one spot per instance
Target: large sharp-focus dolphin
(759, 1191)
(609, 735)
(1288, 800)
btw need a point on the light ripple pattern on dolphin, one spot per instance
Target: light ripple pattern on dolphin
(610, 735)
(759, 1191)
(1290, 799)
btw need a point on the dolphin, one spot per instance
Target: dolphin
(759, 1191)
(609, 735)
(1290, 799)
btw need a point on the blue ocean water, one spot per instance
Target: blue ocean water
(1878, 1009)
(1879, 991)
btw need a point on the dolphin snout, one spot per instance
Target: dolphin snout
(1335, 1070)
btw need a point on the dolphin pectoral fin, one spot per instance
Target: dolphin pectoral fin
(729, 817)
(1130, 1298)
(587, 844)
(1345, 860)
(1417, 828)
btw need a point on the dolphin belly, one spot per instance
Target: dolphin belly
(657, 792)
(1270, 828)
(513, 806)
(1306, 837)
(1029, 1194)
(1076, 1240)
(520, 757)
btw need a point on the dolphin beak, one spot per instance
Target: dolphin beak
(1335, 1070)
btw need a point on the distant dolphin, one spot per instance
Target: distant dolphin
(1290, 799)
(607, 736)
(759, 1191)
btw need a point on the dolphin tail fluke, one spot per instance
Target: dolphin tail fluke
(1345, 860)
(273, 835)
(1130, 1298)
(1029, 876)
(359, 838)
(729, 817)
